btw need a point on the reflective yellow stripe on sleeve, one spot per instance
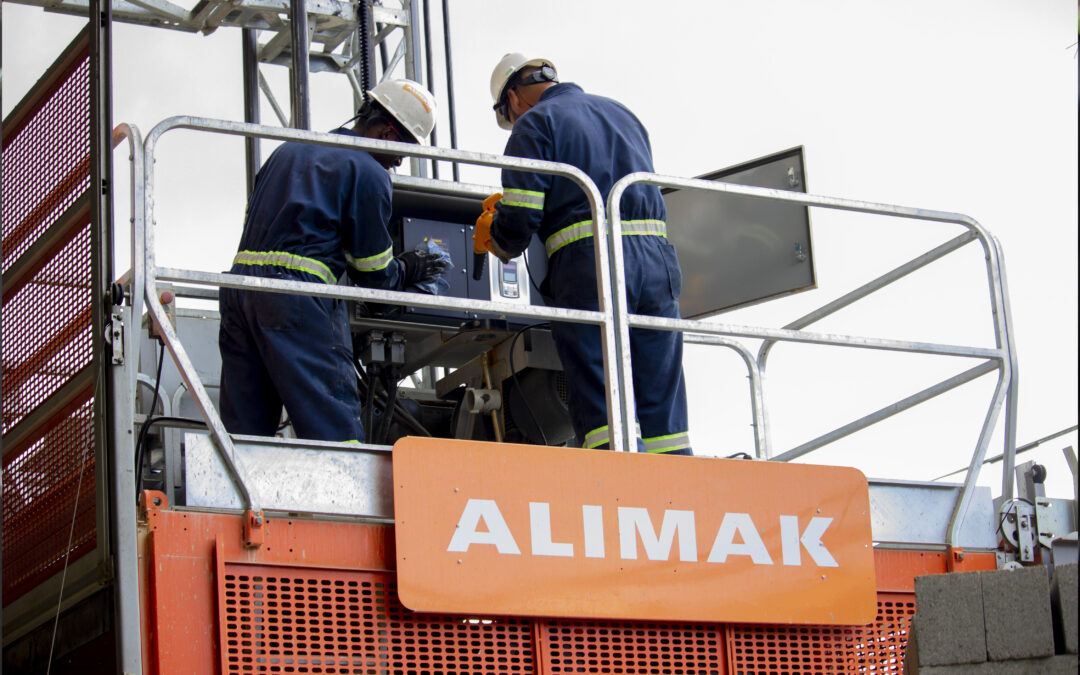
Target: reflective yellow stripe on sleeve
(529, 199)
(373, 263)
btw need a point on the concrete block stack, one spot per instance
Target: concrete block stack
(994, 623)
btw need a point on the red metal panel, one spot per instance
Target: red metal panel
(896, 570)
(45, 164)
(302, 620)
(632, 647)
(46, 327)
(41, 483)
(40, 172)
(319, 597)
(783, 650)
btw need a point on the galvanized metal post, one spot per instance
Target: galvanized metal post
(450, 83)
(122, 474)
(250, 49)
(430, 68)
(300, 70)
(115, 527)
(412, 68)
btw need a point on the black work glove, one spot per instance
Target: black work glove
(419, 266)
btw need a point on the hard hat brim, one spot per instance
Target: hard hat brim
(402, 124)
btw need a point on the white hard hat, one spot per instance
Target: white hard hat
(409, 103)
(506, 68)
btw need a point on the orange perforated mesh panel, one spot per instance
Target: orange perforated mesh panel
(47, 331)
(778, 650)
(46, 483)
(46, 162)
(300, 620)
(632, 648)
(48, 479)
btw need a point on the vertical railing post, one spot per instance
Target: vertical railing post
(623, 381)
(122, 473)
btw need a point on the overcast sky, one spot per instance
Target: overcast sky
(967, 106)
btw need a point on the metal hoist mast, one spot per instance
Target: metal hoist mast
(338, 36)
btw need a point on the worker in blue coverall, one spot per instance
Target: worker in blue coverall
(316, 212)
(561, 123)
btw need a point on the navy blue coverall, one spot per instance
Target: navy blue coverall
(606, 141)
(315, 213)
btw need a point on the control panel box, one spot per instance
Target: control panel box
(503, 282)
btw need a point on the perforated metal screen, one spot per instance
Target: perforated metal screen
(293, 620)
(46, 326)
(48, 472)
(779, 650)
(632, 648)
(299, 620)
(46, 162)
(41, 484)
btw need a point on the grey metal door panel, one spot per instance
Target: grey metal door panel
(736, 250)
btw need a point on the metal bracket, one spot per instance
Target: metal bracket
(254, 529)
(116, 337)
(151, 500)
(1026, 531)
(955, 559)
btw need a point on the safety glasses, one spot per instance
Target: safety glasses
(502, 108)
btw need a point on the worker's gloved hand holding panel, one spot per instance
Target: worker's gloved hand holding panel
(425, 267)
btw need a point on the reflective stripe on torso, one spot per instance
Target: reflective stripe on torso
(286, 260)
(583, 229)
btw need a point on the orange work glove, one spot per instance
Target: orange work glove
(482, 236)
(481, 239)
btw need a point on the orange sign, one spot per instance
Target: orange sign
(498, 529)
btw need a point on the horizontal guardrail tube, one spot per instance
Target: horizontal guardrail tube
(1003, 357)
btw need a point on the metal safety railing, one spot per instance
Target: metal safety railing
(614, 321)
(1002, 358)
(151, 274)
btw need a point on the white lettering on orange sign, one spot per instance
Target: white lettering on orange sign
(635, 524)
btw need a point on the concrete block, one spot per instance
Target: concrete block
(1063, 664)
(948, 620)
(1016, 607)
(1063, 601)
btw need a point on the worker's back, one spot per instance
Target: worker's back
(598, 135)
(307, 197)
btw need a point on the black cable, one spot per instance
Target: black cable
(402, 415)
(369, 400)
(174, 419)
(167, 418)
(517, 383)
(532, 279)
(391, 387)
(141, 439)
